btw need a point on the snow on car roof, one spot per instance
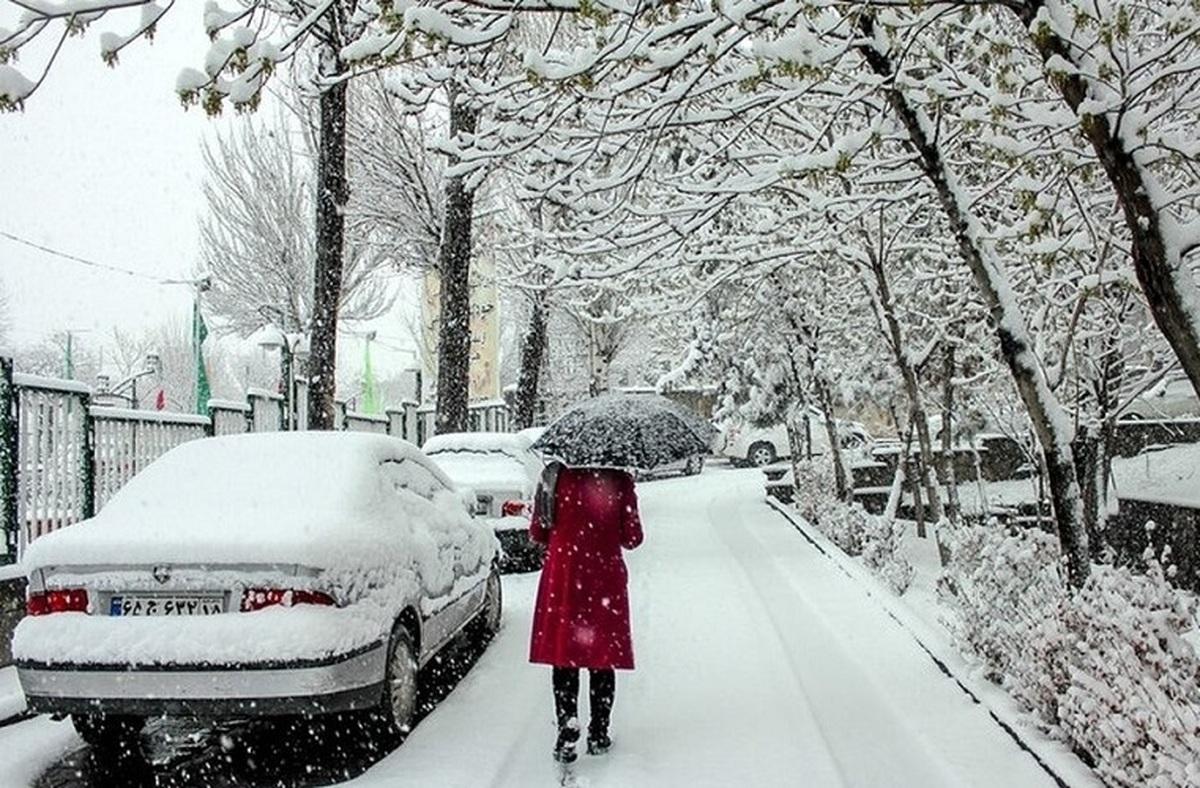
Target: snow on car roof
(486, 471)
(509, 442)
(283, 497)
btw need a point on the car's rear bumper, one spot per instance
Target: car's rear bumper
(519, 553)
(340, 683)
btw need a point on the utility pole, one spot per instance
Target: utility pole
(69, 361)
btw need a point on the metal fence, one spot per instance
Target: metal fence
(62, 458)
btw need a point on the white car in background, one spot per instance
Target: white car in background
(1173, 398)
(261, 574)
(745, 444)
(501, 471)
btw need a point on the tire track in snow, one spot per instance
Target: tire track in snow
(713, 658)
(840, 719)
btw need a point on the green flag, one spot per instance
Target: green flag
(370, 395)
(199, 334)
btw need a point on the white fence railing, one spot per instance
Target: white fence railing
(62, 458)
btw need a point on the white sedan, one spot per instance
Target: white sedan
(269, 574)
(502, 472)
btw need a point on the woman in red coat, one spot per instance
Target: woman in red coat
(585, 516)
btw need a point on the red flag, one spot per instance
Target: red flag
(160, 400)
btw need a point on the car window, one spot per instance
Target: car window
(410, 475)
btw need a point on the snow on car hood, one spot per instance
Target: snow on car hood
(316, 499)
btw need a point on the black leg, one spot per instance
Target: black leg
(566, 709)
(602, 689)
(566, 696)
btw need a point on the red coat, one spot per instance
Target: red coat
(582, 615)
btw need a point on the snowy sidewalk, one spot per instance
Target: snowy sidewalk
(759, 663)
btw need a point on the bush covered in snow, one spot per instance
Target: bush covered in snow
(1007, 591)
(1104, 668)
(1133, 702)
(814, 490)
(882, 552)
(850, 527)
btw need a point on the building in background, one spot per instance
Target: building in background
(485, 331)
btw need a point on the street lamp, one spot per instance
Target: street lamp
(152, 365)
(291, 349)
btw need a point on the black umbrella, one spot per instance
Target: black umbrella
(703, 428)
(623, 431)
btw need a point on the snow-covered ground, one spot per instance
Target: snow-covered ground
(12, 701)
(759, 663)
(1169, 476)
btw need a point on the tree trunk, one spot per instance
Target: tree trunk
(332, 196)
(1166, 282)
(1049, 420)
(948, 471)
(533, 350)
(890, 325)
(835, 450)
(454, 271)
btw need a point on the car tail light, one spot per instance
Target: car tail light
(58, 600)
(258, 598)
(513, 508)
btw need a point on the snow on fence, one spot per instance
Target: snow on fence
(51, 420)
(229, 417)
(366, 422)
(62, 458)
(266, 411)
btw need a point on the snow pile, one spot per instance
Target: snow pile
(876, 540)
(1107, 668)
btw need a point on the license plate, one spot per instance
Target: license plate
(132, 605)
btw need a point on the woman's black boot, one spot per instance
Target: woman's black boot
(602, 690)
(566, 709)
(564, 748)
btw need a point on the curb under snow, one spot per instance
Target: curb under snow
(1054, 758)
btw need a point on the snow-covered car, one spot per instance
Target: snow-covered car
(689, 466)
(745, 444)
(259, 574)
(1173, 398)
(501, 471)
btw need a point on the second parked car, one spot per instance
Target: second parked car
(501, 472)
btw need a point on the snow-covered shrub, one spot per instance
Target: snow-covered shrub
(815, 498)
(1105, 668)
(846, 527)
(850, 527)
(1007, 593)
(1133, 702)
(882, 552)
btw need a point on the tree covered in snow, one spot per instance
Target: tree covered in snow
(257, 238)
(682, 113)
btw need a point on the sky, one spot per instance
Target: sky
(104, 164)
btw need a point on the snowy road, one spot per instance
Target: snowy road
(759, 664)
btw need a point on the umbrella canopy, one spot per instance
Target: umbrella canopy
(703, 428)
(641, 431)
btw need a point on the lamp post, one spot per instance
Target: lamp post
(292, 351)
(152, 365)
